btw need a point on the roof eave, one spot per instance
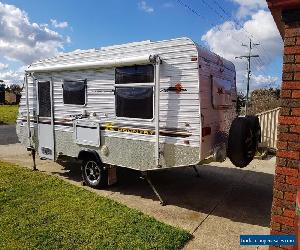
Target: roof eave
(277, 6)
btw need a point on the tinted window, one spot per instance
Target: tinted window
(135, 74)
(44, 99)
(74, 92)
(134, 102)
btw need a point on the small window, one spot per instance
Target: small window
(135, 74)
(134, 102)
(74, 92)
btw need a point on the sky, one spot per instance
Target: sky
(32, 30)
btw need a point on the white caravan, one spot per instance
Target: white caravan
(143, 105)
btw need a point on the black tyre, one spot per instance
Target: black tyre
(255, 127)
(93, 173)
(241, 142)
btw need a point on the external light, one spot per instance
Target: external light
(178, 87)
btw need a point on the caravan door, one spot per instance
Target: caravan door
(45, 120)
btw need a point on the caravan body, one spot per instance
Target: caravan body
(143, 105)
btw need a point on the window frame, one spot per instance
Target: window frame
(136, 85)
(135, 65)
(85, 93)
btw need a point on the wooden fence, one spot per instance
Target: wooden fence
(269, 123)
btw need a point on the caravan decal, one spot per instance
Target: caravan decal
(112, 127)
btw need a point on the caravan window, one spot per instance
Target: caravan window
(135, 102)
(74, 92)
(135, 74)
(134, 91)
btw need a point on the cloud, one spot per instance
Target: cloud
(226, 39)
(259, 4)
(249, 7)
(60, 25)
(25, 41)
(261, 81)
(13, 77)
(68, 39)
(168, 5)
(145, 7)
(3, 66)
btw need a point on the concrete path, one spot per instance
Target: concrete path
(216, 208)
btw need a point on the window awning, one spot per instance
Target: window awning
(144, 59)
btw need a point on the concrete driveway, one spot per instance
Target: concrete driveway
(216, 208)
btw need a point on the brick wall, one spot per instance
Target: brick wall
(286, 183)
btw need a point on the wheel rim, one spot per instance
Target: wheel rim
(92, 172)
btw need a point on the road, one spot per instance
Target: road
(8, 134)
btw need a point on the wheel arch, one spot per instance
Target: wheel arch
(87, 153)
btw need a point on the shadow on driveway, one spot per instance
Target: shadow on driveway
(240, 195)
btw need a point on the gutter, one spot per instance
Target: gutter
(283, 4)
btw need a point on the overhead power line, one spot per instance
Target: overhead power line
(216, 25)
(257, 60)
(232, 18)
(195, 12)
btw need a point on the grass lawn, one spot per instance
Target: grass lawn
(38, 211)
(8, 114)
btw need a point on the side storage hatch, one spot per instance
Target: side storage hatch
(87, 132)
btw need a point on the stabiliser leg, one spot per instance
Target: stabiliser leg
(33, 152)
(33, 159)
(146, 176)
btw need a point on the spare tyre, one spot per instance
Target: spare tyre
(255, 127)
(241, 142)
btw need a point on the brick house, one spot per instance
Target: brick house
(286, 14)
(10, 98)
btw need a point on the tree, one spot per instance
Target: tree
(2, 92)
(2, 86)
(15, 88)
(263, 100)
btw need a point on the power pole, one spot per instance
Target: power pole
(248, 57)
